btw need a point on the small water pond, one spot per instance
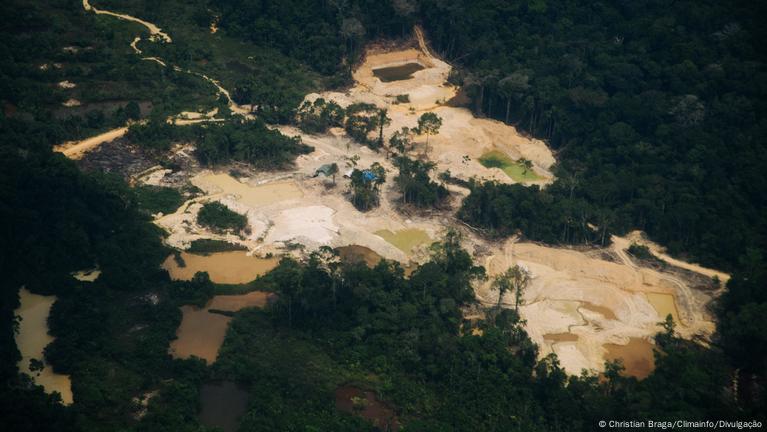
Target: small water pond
(516, 170)
(357, 253)
(234, 267)
(397, 73)
(223, 403)
(405, 240)
(637, 356)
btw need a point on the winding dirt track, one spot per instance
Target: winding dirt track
(77, 149)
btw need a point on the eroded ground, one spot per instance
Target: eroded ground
(585, 305)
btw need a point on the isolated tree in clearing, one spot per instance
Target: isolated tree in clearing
(429, 124)
(513, 279)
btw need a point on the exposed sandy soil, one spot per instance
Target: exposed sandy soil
(461, 134)
(76, 150)
(604, 304)
(578, 305)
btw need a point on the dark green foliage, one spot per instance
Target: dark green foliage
(365, 186)
(208, 246)
(361, 120)
(640, 251)
(538, 214)
(416, 186)
(220, 143)
(197, 291)
(319, 116)
(250, 142)
(218, 217)
(327, 36)
(647, 105)
(156, 199)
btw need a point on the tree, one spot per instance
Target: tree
(401, 140)
(414, 183)
(429, 123)
(383, 120)
(511, 86)
(527, 165)
(513, 279)
(333, 171)
(132, 110)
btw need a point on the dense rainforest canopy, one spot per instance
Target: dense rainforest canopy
(656, 111)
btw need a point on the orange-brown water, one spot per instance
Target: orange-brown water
(357, 253)
(606, 312)
(32, 339)
(637, 356)
(560, 337)
(201, 332)
(664, 304)
(233, 267)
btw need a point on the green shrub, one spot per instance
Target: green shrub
(218, 217)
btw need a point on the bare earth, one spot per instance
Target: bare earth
(583, 308)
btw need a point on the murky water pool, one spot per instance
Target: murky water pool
(232, 267)
(32, 339)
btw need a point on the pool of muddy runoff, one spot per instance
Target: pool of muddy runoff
(202, 330)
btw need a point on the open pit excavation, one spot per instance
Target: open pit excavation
(581, 307)
(405, 215)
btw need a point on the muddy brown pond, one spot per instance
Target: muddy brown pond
(357, 253)
(202, 331)
(223, 403)
(32, 339)
(637, 356)
(233, 267)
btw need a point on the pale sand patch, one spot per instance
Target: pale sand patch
(88, 275)
(153, 29)
(67, 84)
(462, 138)
(77, 149)
(311, 225)
(603, 303)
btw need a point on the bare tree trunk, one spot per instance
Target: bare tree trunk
(508, 106)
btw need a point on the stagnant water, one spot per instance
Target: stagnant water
(357, 253)
(664, 304)
(405, 240)
(201, 332)
(232, 267)
(32, 339)
(397, 73)
(254, 196)
(637, 356)
(223, 403)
